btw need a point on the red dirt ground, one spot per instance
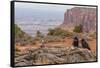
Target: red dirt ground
(66, 42)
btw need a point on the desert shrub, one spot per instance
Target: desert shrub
(22, 37)
(52, 39)
(38, 34)
(17, 29)
(51, 31)
(58, 32)
(93, 35)
(78, 29)
(17, 50)
(36, 38)
(18, 32)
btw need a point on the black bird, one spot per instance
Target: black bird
(75, 42)
(85, 44)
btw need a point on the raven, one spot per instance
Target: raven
(75, 42)
(85, 44)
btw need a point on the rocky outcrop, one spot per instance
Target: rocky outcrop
(80, 15)
(53, 55)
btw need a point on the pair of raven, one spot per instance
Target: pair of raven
(83, 42)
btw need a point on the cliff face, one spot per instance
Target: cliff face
(78, 15)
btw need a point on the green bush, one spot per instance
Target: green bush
(38, 34)
(78, 29)
(17, 50)
(18, 32)
(59, 32)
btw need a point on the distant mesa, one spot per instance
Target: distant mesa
(80, 15)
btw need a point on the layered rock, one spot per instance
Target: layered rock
(53, 55)
(80, 15)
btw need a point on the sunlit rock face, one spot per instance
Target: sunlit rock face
(80, 15)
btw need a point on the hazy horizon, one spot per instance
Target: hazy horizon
(47, 15)
(31, 17)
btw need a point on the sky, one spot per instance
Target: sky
(42, 11)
